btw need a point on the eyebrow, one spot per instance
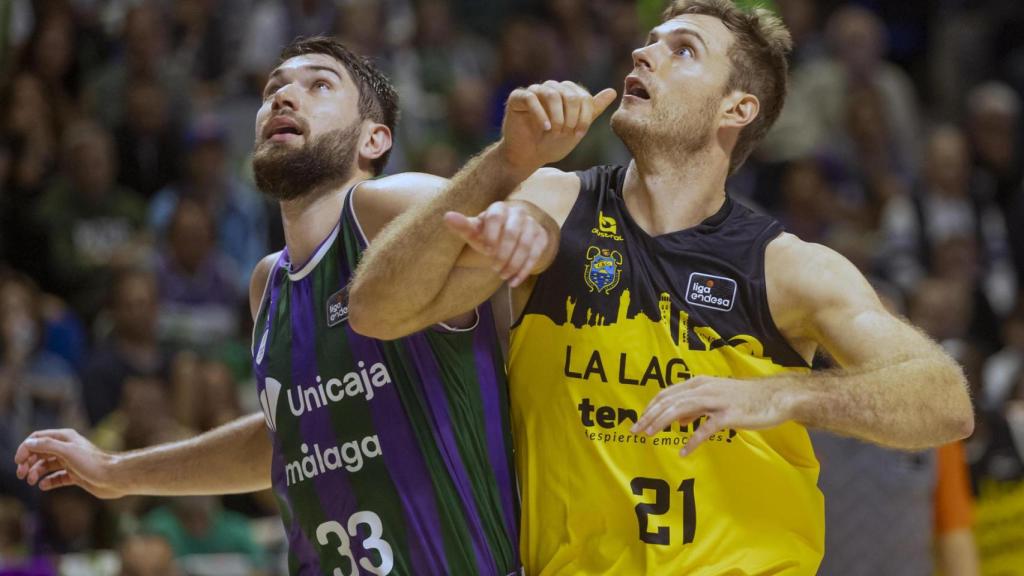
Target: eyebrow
(654, 36)
(314, 67)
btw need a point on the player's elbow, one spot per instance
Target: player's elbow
(958, 414)
(368, 322)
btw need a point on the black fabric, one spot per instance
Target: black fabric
(729, 245)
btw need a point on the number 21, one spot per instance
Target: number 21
(662, 503)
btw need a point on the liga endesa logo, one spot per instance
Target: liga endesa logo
(715, 292)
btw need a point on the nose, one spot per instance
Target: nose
(642, 58)
(285, 97)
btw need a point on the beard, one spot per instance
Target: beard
(673, 130)
(285, 173)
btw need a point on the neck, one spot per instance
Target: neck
(665, 195)
(310, 219)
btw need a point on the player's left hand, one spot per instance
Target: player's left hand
(727, 403)
(508, 236)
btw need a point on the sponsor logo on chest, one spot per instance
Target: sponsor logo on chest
(337, 308)
(714, 292)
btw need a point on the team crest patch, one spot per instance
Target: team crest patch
(337, 308)
(715, 292)
(604, 267)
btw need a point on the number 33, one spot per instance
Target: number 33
(371, 542)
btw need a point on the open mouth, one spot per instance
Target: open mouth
(282, 128)
(636, 89)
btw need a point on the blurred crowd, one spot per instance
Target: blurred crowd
(129, 221)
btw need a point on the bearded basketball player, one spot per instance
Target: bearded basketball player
(385, 457)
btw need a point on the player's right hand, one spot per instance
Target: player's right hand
(58, 458)
(544, 122)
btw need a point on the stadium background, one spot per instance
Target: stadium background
(129, 222)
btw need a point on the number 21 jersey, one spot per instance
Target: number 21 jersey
(617, 318)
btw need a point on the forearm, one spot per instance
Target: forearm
(230, 459)
(418, 251)
(911, 404)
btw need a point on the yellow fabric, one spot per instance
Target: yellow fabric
(755, 502)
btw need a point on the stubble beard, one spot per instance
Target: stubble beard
(673, 132)
(287, 173)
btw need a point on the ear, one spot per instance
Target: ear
(741, 108)
(376, 141)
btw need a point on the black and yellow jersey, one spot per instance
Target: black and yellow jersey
(618, 317)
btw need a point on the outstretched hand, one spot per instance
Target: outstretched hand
(57, 458)
(544, 122)
(507, 236)
(727, 403)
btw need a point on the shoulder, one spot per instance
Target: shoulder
(552, 190)
(258, 281)
(377, 202)
(805, 279)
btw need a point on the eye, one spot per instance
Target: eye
(269, 91)
(322, 85)
(686, 52)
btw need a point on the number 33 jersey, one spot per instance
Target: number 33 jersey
(617, 318)
(389, 457)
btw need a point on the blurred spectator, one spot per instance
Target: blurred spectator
(131, 348)
(271, 24)
(37, 388)
(143, 56)
(143, 418)
(72, 521)
(469, 128)
(198, 525)
(994, 126)
(801, 17)
(445, 53)
(199, 291)
(198, 39)
(30, 128)
(809, 205)
(147, 555)
(582, 46)
(942, 209)
(92, 223)
(816, 105)
(205, 392)
(16, 558)
(51, 55)
(148, 145)
(13, 529)
(1007, 364)
(238, 211)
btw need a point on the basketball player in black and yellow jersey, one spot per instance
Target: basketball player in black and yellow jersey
(672, 321)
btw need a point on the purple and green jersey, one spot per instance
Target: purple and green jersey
(389, 457)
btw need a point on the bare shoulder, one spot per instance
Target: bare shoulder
(808, 275)
(377, 202)
(258, 281)
(551, 189)
(810, 286)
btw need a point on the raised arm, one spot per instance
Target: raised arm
(895, 387)
(411, 276)
(230, 459)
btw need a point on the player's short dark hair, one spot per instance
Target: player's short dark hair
(378, 100)
(759, 66)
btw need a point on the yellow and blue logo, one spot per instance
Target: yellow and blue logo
(604, 268)
(607, 227)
